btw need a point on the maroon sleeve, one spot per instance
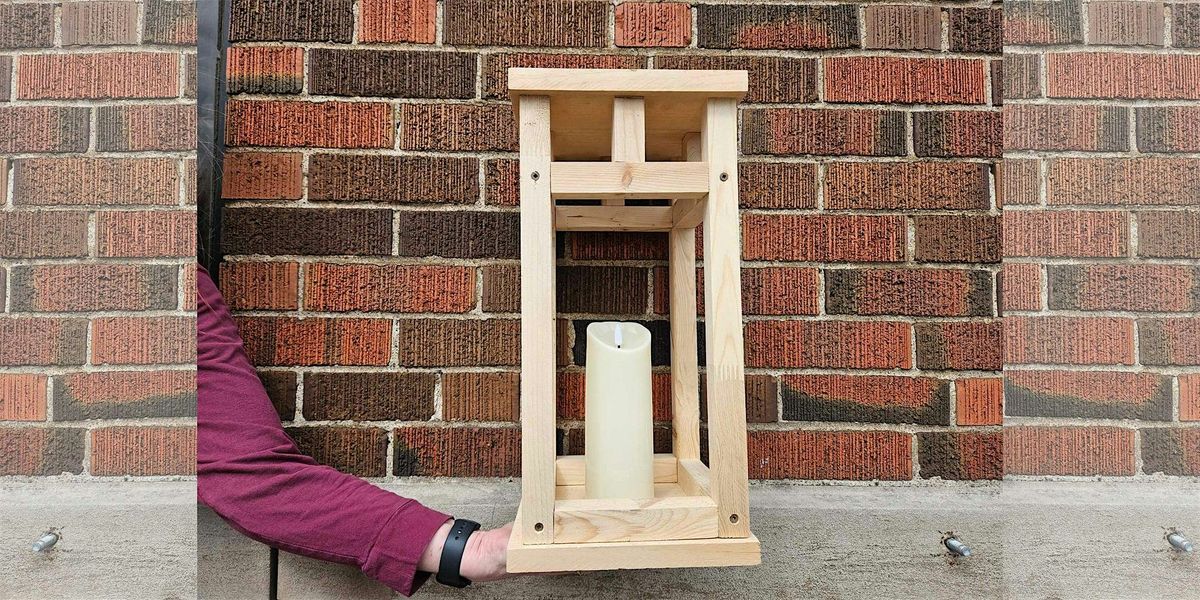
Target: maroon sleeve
(251, 473)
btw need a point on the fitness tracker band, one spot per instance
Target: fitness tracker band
(452, 553)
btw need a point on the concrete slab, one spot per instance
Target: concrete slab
(121, 539)
(229, 565)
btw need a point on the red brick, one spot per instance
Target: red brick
(360, 451)
(1171, 451)
(606, 245)
(1169, 234)
(496, 66)
(1168, 129)
(188, 289)
(1021, 286)
(288, 341)
(774, 291)
(1144, 76)
(26, 25)
(960, 345)
(131, 128)
(95, 181)
(1066, 233)
(143, 340)
(389, 288)
(1170, 341)
(87, 287)
(459, 342)
(976, 30)
(41, 450)
(458, 451)
(908, 185)
(260, 286)
(573, 23)
(1068, 451)
(99, 23)
(1020, 181)
(42, 341)
(858, 455)
(650, 24)
(825, 238)
(1125, 23)
(292, 20)
(1030, 22)
(1069, 340)
(306, 231)
(391, 73)
(262, 176)
(1088, 394)
(898, 80)
(1124, 181)
(43, 128)
(898, 27)
(1189, 397)
(917, 292)
(1065, 127)
(369, 396)
(22, 397)
(457, 127)
(398, 179)
(394, 21)
(81, 76)
(1022, 76)
(867, 399)
(772, 78)
(150, 234)
(958, 238)
(309, 124)
(170, 22)
(776, 26)
(1185, 25)
(777, 185)
(123, 394)
(144, 451)
(264, 70)
(1125, 287)
(831, 344)
(571, 397)
(825, 132)
(501, 288)
(501, 182)
(42, 234)
(486, 396)
(961, 455)
(979, 401)
(947, 133)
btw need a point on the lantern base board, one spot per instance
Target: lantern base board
(655, 554)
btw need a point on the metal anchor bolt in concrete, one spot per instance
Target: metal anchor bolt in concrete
(1179, 542)
(957, 547)
(47, 541)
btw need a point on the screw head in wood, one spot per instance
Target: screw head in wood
(538, 527)
(535, 175)
(724, 176)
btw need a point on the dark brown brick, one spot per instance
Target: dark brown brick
(960, 345)
(1169, 234)
(43, 128)
(489, 396)
(391, 73)
(573, 23)
(618, 245)
(1170, 341)
(772, 78)
(502, 288)
(1087, 394)
(826, 238)
(1022, 76)
(460, 234)
(607, 290)
(1069, 340)
(1068, 451)
(1168, 129)
(777, 185)
(457, 127)
(43, 234)
(1185, 25)
(1124, 287)
(958, 133)
(360, 451)
(397, 179)
(5, 78)
(292, 20)
(41, 450)
(958, 238)
(961, 455)
(495, 72)
(99, 23)
(291, 341)
(1051, 127)
(976, 30)
(124, 394)
(368, 396)
(309, 124)
(264, 70)
(306, 231)
(43, 341)
(776, 26)
(896, 27)
(856, 455)
(823, 132)
(916, 292)
(1126, 23)
(867, 399)
(95, 181)
(909, 185)
(1171, 451)
(501, 183)
(458, 451)
(459, 342)
(90, 287)
(170, 22)
(281, 389)
(128, 128)
(27, 25)
(389, 288)
(1033, 22)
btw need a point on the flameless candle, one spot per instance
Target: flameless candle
(618, 439)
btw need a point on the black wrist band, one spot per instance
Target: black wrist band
(452, 553)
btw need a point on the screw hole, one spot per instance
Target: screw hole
(536, 175)
(538, 527)
(725, 177)
(733, 518)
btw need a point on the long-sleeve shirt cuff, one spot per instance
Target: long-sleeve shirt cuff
(402, 541)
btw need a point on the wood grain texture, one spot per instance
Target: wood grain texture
(654, 180)
(628, 135)
(613, 218)
(685, 379)
(628, 82)
(570, 471)
(626, 520)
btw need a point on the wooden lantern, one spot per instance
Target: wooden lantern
(614, 135)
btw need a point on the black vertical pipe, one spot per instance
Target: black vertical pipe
(212, 40)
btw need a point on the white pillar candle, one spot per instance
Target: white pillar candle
(618, 418)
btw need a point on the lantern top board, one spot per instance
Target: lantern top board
(609, 136)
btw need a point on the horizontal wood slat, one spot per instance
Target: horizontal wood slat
(653, 180)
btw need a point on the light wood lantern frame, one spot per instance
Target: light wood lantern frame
(673, 135)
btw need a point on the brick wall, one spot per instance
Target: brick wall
(97, 235)
(371, 235)
(1101, 238)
